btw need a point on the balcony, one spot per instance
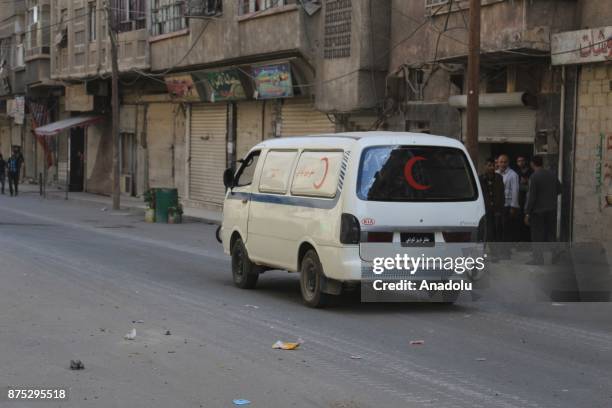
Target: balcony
(510, 29)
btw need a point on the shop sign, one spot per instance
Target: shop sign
(273, 81)
(182, 87)
(222, 85)
(582, 46)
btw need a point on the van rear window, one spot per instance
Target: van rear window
(415, 173)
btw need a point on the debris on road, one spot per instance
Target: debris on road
(356, 357)
(103, 209)
(417, 342)
(171, 351)
(137, 321)
(252, 306)
(281, 345)
(481, 359)
(76, 365)
(167, 333)
(241, 402)
(131, 335)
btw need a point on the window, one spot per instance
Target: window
(434, 3)
(276, 170)
(128, 15)
(167, 16)
(316, 174)
(415, 174)
(92, 22)
(254, 6)
(203, 7)
(247, 170)
(31, 40)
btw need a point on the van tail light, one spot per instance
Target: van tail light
(460, 236)
(349, 229)
(380, 237)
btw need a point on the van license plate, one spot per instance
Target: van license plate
(417, 239)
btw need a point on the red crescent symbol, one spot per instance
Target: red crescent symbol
(408, 174)
(326, 161)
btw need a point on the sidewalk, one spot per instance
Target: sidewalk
(131, 203)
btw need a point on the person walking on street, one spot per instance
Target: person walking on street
(14, 167)
(510, 220)
(2, 172)
(492, 185)
(524, 172)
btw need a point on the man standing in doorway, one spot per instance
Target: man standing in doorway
(493, 192)
(510, 220)
(541, 207)
(14, 164)
(524, 172)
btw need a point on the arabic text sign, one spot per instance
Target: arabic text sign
(273, 81)
(583, 46)
(225, 85)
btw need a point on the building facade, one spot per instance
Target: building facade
(584, 54)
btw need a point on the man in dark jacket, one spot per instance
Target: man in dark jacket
(541, 206)
(492, 185)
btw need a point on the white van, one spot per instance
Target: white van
(304, 204)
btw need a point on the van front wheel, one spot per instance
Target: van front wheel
(244, 272)
(311, 280)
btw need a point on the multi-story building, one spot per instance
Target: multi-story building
(520, 91)
(584, 53)
(12, 75)
(237, 72)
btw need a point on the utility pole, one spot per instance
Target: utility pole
(112, 33)
(473, 83)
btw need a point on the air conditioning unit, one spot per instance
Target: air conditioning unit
(126, 184)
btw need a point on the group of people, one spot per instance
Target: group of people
(12, 169)
(521, 204)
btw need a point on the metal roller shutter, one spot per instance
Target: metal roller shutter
(208, 143)
(249, 128)
(504, 125)
(299, 118)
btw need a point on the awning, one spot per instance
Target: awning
(56, 127)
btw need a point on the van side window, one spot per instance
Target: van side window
(247, 170)
(316, 174)
(276, 171)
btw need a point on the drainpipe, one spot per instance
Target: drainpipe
(561, 146)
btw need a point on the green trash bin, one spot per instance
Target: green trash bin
(164, 199)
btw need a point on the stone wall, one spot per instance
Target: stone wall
(593, 155)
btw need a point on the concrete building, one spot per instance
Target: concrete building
(584, 53)
(238, 72)
(80, 59)
(520, 93)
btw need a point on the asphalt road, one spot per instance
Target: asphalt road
(74, 278)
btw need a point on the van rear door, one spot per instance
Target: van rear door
(412, 193)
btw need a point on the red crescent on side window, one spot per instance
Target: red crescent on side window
(320, 183)
(408, 174)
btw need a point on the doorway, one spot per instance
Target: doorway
(77, 159)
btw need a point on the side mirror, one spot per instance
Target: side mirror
(228, 178)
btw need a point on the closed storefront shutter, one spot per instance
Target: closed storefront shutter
(299, 118)
(250, 126)
(504, 125)
(208, 159)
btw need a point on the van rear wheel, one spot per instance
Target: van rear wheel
(311, 280)
(244, 272)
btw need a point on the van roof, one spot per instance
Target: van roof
(341, 140)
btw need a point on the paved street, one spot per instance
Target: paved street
(74, 278)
